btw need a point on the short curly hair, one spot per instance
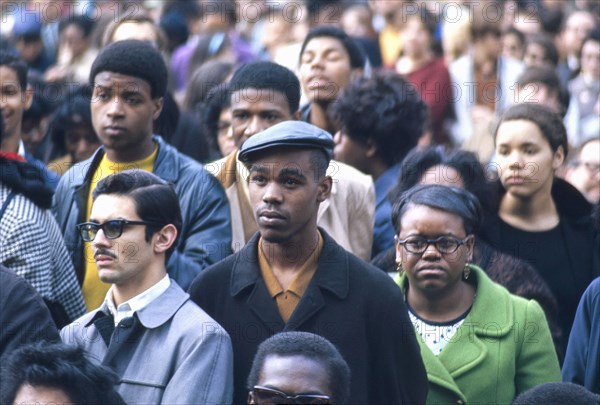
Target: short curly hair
(384, 108)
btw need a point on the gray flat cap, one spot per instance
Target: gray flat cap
(288, 133)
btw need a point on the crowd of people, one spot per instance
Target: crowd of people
(302, 201)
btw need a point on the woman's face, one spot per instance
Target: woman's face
(526, 162)
(432, 270)
(416, 37)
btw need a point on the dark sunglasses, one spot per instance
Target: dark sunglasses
(268, 396)
(112, 229)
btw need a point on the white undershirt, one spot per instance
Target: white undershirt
(129, 307)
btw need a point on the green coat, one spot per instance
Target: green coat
(503, 348)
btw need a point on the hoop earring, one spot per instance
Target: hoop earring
(467, 271)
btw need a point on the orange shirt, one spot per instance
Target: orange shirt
(288, 299)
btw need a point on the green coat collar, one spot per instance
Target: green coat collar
(492, 316)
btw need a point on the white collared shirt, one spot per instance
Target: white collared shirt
(137, 303)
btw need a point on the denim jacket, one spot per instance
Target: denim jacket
(206, 229)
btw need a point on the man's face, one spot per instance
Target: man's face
(586, 174)
(123, 111)
(123, 261)
(350, 151)
(294, 375)
(254, 110)
(13, 101)
(285, 194)
(325, 69)
(577, 27)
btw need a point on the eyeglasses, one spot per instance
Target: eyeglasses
(444, 244)
(268, 396)
(112, 229)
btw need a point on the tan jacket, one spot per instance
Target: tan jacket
(347, 215)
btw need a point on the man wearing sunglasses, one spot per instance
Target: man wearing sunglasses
(162, 345)
(298, 368)
(293, 276)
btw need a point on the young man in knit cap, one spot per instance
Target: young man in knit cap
(130, 79)
(293, 276)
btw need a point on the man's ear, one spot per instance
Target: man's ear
(371, 149)
(297, 115)
(164, 238)
(324, 188)
(158, 106)
(27, 97)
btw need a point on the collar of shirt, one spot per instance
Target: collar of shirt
(21, 150)
(128, 308)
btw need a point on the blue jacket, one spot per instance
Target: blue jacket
(582, 361)
(206, 232)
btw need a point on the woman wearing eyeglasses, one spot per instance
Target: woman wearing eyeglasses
(479, 343)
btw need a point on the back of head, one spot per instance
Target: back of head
(450, 199)
(557, 393)
(133, 58)
(12, 61)
(61, 367)
(384, 108)
(155, 200)
(271, 76)
(203, 80)
(357, 56)
(308, 345)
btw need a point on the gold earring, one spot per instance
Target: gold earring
(399, 268)
(467, 271)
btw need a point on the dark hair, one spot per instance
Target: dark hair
(62, 367)
(549, 123)
(155, 200)
(384, 108)
(548, 77)
(546, 42)
(419, 161)
(133, 58)
(265, 75)
(593, 35)
(308, 345)
(557, 393)
(74, 110)
(357, 56)
(168, 120)
(218, 99)
(513, 31)
(41, 105)
(203, 80)
(12, 61)
(450, 199)
(85, 23)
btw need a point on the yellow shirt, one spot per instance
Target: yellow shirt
(94, 290)
(287, 300)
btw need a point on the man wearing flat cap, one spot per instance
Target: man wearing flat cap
(293, 276)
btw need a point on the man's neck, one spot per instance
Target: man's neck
(10, 144)
(137, 153)
(289, 257)
(126, 291)
(318, 115)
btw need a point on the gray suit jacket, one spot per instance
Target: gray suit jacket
(170, 352)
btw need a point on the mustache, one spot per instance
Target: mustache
(105, 252)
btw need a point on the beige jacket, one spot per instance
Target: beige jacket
(347, 215)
